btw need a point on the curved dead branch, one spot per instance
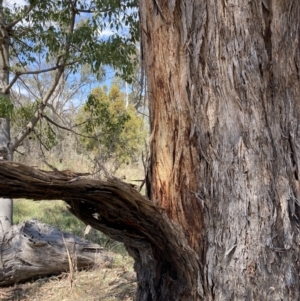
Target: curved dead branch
(118, 210)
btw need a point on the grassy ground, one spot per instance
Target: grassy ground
(115, 281)
(54, 213)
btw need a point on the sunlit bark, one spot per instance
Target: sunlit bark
(223, 84)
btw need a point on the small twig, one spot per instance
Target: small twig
(51, 166)
(57, 223)
(65, 128)
(71, 267)
(41, 142)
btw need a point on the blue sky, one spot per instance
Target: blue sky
(102, 34)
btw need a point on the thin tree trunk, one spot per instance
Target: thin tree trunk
(6, 208)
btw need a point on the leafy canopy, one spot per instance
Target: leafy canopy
(66, 34)
(44, 28)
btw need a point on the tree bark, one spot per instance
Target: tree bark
(158, 245)
(223, 220)
(6, 209)
(223, 83)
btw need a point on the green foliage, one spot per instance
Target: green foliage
(45, 28)
(66, 34)
(6, 106)
(54, 213)
(115, 132)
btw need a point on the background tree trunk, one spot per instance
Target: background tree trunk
(6, 208)
(223, 83)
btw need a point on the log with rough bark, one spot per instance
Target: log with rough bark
(33, 249)
(158, 246)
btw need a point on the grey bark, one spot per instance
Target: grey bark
(6, 209)
(33, 249)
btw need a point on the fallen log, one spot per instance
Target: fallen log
(33, 249)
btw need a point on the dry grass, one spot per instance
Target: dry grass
(114, 282)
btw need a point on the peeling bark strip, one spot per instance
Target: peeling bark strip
(163, 258)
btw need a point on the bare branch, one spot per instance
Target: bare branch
(26, 131)
(39, 71)
(91, 11)
(24, 85)
(6, 90)
(40, 140)
(18, 74)
(116, 209)
(56, 124)
(65, 128)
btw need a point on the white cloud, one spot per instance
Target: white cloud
(105, 33)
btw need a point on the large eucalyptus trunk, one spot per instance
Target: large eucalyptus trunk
(6, 153)
(223, 83)
(223, 221)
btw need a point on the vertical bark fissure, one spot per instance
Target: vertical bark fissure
(234, 72)
(257, 152)
(173, 178)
